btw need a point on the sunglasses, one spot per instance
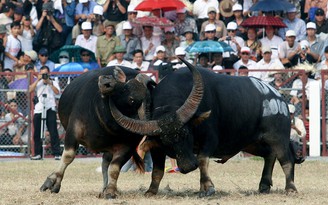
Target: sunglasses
(244, 53)
(43, 55)
(210, 32)
(85, 55)
(231, 31)
(63, 56)
(133, 13)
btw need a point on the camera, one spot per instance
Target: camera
(303, 47)
(45, 76)
(228, 38)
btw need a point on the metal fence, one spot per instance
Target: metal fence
(16, 127)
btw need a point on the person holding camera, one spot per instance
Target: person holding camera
(46, 89)
(48, 30)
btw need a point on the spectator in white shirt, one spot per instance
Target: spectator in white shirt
(245, 59)
(86, 40)
(272, 40)
(119, 53)
(138, 62)
(149, 42)
(289, 49)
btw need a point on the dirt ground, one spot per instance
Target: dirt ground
(236, 183)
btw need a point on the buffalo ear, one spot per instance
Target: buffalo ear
(119, 75)
(202, 117)
(143, 78)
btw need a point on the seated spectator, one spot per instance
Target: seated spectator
(17, 128)
(289, 50)
(297, 134)
(149, 43)
(183, 23)
(86, 62)
(266, 63)
(245, 60)
(323, 65)
(138, 62)
(132, 14)
(315, 46)
(321, 21)
(203, 60)
(97, 20)
(43, 60)
(86, 39)
(243, 71)
(239, 18)
(29, 57)
(200, 11)
(217, 60)
(129, 41)
(63, 57)
(247, 5)
(119, 52)
(6, 16)
(254, 44)
(210, 31)
(176, 62)
(221, 29)
(293, 23)
(311, 6)
(271, 40)
(159, 58)
(278, 80)
(170, 42)
(189, 39)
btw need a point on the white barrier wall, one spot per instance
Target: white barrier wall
(314, 119)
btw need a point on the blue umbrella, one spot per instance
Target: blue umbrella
(271, 5)
(69, 67)
(208, 47)
(19, 84)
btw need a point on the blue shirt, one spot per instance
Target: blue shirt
(80, 9)
(298, 25)
(69, 11)
(49, 63)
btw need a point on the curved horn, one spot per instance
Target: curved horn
(188, 109)
(184, 113)
(136, 126)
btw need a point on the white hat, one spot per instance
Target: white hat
(211, 9)
(311, 25)
(245, 49)
(180, 51)
(32, 54)
(217, 67)
(181, 11)
(131, 8)
(127, 25)
(291, 108)
(237, 7)
(210, 27)
(83, 1)
(98, 10)
(291, 10)
(290, 33)
(304, 43)
(266, 49)
(169, 29)
(159, 48)
(232, 26)
(86, 26)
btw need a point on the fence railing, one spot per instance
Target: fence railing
(282, 81)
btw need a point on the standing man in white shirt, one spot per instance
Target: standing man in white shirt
(86, 39)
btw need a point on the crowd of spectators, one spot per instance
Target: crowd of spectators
(32, 30)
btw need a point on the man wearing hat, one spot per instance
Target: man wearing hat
(200, 10)
(170, 43)
(234, 41)
(189, 37)
(245, 59)
(315, 47)
(86, 39)
(221, 29)
(210, 30)
(106, 44)
(129, 41)
(289, 50)
(183, 22)
(266, 63)
(43, 60)
(293, 23)
(320, 21)
(132, 15)
(119, 53)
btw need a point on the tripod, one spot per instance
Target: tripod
(43, 121)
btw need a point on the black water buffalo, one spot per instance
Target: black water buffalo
(84, 112)
(235, 114)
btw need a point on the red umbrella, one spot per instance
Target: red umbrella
(152, 21)
(262, 21)
(165, 5)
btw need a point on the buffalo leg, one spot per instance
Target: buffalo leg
(120, 155)
(288, 165)
(206, 184)
(53, 181)
(158, 158)
(266, 179)
(106, 159)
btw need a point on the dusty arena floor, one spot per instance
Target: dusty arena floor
(236, 183)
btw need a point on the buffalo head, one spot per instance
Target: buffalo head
(171, 128)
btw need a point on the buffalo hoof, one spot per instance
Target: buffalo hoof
(51, 185)
(291, 188)
(264, 189)
(210, 191)
(149, 194)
